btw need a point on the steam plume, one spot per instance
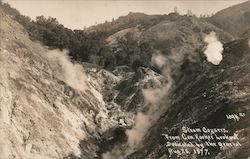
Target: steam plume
(70, 73)
(214, 49)
(143, 121)
(154, 97)
(159, 60)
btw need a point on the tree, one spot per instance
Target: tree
(24, 20)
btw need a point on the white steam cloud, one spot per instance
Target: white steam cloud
(136, 134)
(71, 73)
(143, 121)
(154, 97)
(159, 60)
(214, 49)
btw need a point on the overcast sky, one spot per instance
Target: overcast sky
(76, 14)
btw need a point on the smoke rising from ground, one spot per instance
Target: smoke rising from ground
(71, 73)
(144, 120)
(135, 135)
(154, 97)
(158, 60)
(214, 49)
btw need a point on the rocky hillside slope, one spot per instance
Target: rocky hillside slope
(205, 101)
(179, 38)
(52, 107)
(43, 113)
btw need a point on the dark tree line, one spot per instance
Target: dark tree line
(84, 46)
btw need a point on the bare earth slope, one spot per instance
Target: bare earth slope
(41, 115)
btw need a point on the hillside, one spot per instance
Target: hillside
(119, 87)
(48, 104)
(124, 41)
(205, 101)
(235, 19)
(51, 105)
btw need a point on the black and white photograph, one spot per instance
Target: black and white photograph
(124, 79)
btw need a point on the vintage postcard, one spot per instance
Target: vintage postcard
(124, 79)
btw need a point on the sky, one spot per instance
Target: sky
(77, 14)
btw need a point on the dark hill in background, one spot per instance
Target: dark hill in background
(235, 19)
